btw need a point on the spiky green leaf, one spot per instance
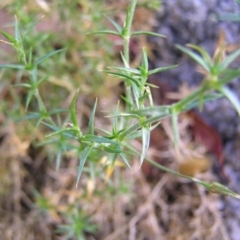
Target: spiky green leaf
(145, 143)
(124, 76)
(161, 69)
(147, 33)
(203, 52)
(195, 56)
(29, 98)
(130, 70)
(152, 111)
(83, 158)
(73, 110)
(105, 32)
(124, 158)
(13, 66)
(115, 24)
(9, 37)
(91, 120)
(17, 32)
(229, 59)
(48, 55)
(231, 96)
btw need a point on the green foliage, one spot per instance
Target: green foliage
(136, 121)
(78, 224)
(42, 203)
(139, 104)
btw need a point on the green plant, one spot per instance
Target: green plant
(139, 117)
(100, 151)
(78, 224)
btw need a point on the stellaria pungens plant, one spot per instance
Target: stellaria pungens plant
(140, 116)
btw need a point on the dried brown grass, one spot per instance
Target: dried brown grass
(164, 208)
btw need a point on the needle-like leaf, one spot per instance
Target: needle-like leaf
(105, 32)
(161, 69)
(147, 33)
(229, 59)
(83, 158)
(13, 66)
(125, 160)
(17, 32)
(9, 37)
(48, 55)
(91, 120)
(115, 24)
(73, 110)
(195, 56)
(231, 97)
(145, 143)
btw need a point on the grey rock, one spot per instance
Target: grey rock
(197, 22)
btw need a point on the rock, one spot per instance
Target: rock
(198, 22)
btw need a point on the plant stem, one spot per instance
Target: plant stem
(127, 31)
(126, 42)
(179, 106)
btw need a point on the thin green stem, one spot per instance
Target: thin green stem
(184, 102)
(213, 187)
(165, 169)
(127, 31)
(126, 34)
(168, 170)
